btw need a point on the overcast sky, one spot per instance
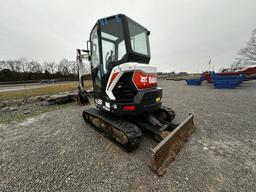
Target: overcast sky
(185, 34)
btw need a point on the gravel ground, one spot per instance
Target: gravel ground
(57, 151)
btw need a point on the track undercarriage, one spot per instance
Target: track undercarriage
(127, 132)
(124, 133)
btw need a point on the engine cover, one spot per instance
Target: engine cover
(143, 77)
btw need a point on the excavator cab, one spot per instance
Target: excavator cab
(116, 40)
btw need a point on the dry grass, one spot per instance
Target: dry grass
(49, 90)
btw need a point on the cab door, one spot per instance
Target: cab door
(96, 67)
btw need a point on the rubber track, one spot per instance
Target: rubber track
(132, 132)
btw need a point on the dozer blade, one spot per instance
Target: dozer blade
(166, 151)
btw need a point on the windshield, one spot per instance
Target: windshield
(139, 39)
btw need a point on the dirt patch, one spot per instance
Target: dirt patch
(16, 110)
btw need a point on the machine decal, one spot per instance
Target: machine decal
(114, 75)
(143, 80)
(103, 21)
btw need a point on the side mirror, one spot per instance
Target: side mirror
(148, 33)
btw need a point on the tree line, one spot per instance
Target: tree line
(24, 69)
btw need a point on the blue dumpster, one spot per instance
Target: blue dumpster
(226, 83)
(194, 81)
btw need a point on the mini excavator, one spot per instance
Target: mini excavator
(126, 100)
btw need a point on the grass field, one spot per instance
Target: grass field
(49, 90)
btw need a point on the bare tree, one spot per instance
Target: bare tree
(23, 63)
(247, 55)
(64, 67)
(11, 65)
(2, 65)
(51, 67)
(34, 67)
(17, 65)
(74, 67)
